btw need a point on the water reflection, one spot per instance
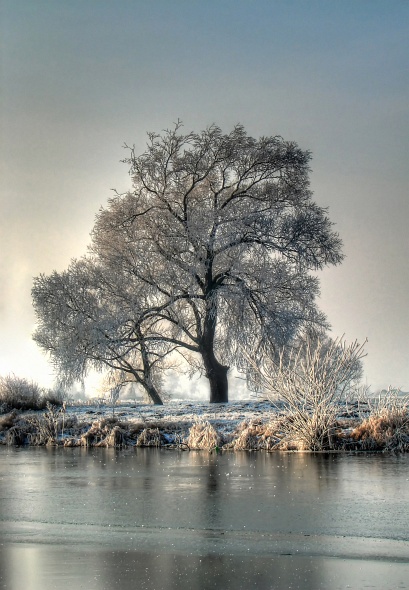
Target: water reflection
(193, 520)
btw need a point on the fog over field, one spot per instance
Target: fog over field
(78, 80)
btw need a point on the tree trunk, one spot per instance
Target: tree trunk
(215, 371)
(217, 375)
(148, 386)
(147, 373)
(153, 394)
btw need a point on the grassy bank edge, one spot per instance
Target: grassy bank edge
(377, 429)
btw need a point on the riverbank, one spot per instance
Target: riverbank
(239, 425)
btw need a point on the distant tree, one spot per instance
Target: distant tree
(221, 234)
(90, 318)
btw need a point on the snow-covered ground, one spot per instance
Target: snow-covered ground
(255, 424)
(224, 417)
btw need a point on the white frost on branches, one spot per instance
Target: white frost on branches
(210, 251)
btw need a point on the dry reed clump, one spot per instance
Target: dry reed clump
(45, 429)
(115, 438)
(8, 420)
(309, 430)
(104, 433)
(283, 433)
(387, 427)
(202, 435)
(150, 437)
(16, 436)
(253, 436)
(133, 430)
(33, 430)
(159, 433)
(71, 442)
(94, 434)
(24, 431)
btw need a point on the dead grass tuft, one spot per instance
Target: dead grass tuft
(387, 427)
(8, 420)
(95, 434)
(150, 437)
(202, 435)
(115, 438)
(72, 442)
(382, 432)
(16, 436)
(107, 432)
(253, 436)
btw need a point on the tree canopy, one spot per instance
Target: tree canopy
(88, 319)
(210, 252)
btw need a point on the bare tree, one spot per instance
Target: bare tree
(222, 232)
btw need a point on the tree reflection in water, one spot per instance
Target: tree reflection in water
(151, 518)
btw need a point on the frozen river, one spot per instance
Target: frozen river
(157, 519)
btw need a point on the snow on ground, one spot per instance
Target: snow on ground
(224, 417)
(240, 425)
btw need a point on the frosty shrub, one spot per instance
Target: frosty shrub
(311, 380)
(19, 393)
(56, 397)
(45, 427)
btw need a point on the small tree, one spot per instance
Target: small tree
(90, 317)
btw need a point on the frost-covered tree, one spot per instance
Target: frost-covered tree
(221, 234)
(89, 317)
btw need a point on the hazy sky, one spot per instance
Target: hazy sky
(79, 78)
